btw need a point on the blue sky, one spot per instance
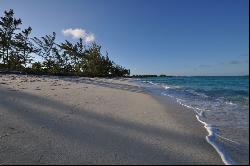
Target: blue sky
(173, 37)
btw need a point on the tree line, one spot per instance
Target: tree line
(17, 51)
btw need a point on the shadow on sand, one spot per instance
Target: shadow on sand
(85, 137)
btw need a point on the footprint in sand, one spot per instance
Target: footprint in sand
(38, 88)
(13, 90)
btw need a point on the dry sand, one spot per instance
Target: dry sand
(71, 120)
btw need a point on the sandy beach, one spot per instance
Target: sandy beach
(74, 120)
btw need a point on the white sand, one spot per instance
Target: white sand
(65, 120)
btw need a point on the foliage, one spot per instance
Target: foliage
(17, 48)
(8, 27)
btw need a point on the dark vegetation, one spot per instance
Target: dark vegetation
(18, 51)
(143, 76)
(146, 76)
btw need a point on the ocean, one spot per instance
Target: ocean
(221, 104)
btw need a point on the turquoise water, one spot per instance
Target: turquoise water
(221, 103)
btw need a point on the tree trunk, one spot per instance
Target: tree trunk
(7, 57)
(3, 55)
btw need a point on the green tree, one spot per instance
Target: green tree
(24, 47)
(16, 49)
(46, 49)
(76, 54)
(8, 26)
(37, 66)
(93, 60)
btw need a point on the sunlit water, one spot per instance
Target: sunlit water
(221, 104)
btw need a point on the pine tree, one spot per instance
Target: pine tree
(76, 54)
(45, 48)
(16, 49)
(24, 46)
(8, 26)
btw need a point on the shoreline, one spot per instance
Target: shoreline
(229, 149)
(208, 136)
(63, 120)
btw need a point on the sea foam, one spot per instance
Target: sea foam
(210, 139)
(217, 102)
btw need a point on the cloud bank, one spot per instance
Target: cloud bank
(79, 33)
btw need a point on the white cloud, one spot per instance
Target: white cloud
(75, 33)
(90, 38)
(79, 33)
